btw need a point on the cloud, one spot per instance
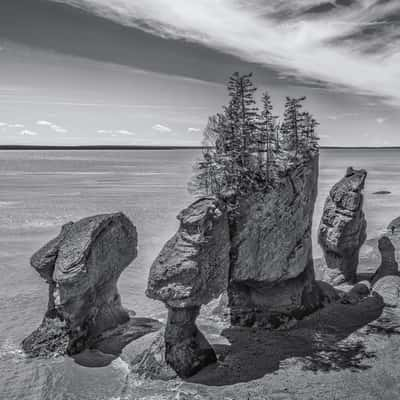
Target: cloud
(53, 127)
(355, 47)
(194, 130)
(27, 132)
(162, 128)
(341, 116)
(115, 133)
(15, 125)
(125, 132)
(380, 120)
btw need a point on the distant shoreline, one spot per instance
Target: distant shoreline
(108, 147)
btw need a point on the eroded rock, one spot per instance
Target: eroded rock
(82, 266)
(388, 288)
(389, 265)
(342, 230)
(191, 270)
(272, 275)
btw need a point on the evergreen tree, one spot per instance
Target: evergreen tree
(292, 123)
(245, 150)
(267, 136)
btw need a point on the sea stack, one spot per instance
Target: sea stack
(272, 274)
(342, 230)
(82, 266)
(191, 270)
(389, 265)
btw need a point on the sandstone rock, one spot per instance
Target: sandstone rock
(82, 266)
(328, 294)
(152, 362)
(272, 275)
(358, 292)
(388, 288)
(193, 267)
(388, 265)
(191, 270)
(342, 230)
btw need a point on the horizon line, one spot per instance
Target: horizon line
(150, 147)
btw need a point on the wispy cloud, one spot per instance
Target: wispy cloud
(27, 132)
(341, 116)
(115, 133)
(194, 130)
(53, 127)
(125, 132)
(354, 47)
(381, 120)
(162, 128)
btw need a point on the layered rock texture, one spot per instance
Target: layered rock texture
(191, 270)
(342, 230)
(389, 265)
(272, 274)
(386, 283)
(82, 266)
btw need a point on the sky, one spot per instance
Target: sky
(135, 72)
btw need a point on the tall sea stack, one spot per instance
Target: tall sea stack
(191, 270)
(342, 230)
(271, 272)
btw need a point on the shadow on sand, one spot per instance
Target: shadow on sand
(317, 341)
(110, 345)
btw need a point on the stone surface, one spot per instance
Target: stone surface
(191, 270)
(388, 264)
(152, 363)
(82, 266)
(388, 288)
(193, 266)
(342, 230)
(272, 275)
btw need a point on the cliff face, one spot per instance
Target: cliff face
(272, 275)
(342, 229)
(82, 266)
(191, 270)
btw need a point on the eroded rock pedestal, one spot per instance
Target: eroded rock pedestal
(82, 266)
(191, 270)
(272, 275)
(342, 230)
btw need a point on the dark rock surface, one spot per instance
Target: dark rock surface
(272, 274)
(82, 266)
(191, 270)
(388, 264)
(342, 229)
(388, 288)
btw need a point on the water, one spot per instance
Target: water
(41, 190)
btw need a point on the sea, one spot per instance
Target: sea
(42, 190)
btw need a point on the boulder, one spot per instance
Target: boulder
(191, 270)
(272, 274)
(82, 266)
(388, 288)
(342, 230)
(389, 264)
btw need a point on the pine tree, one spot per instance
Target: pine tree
(267, 135)
(292, 123)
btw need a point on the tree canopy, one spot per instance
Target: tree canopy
(247, 148)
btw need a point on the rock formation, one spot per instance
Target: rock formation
(342, 230)
(82, 266)
(272, 274)
(388, 287)
(389, 264)
(191, 270)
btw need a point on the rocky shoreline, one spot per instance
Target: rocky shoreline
(250, 278)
